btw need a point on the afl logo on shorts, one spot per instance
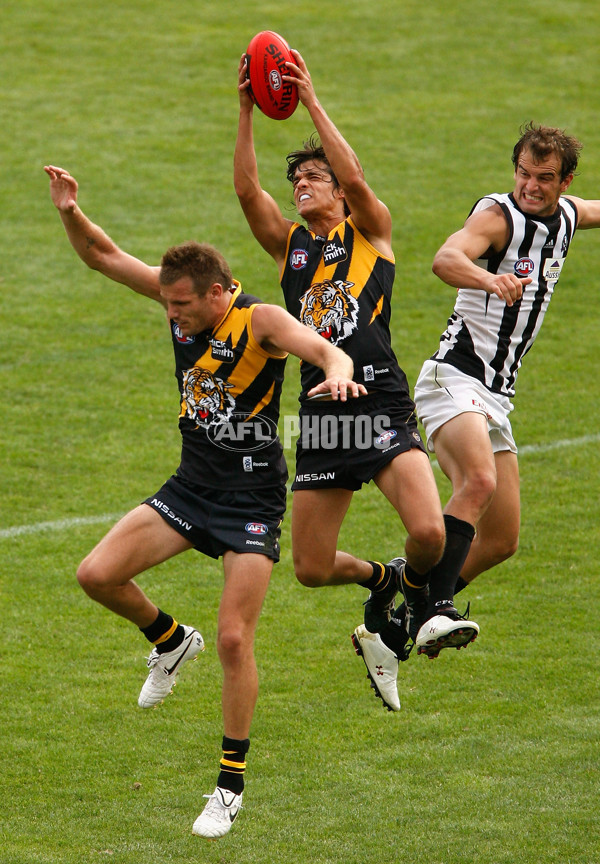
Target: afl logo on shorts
(256, 528)
(184, 340)
(524, 267)
(298, 259)
(385, 437)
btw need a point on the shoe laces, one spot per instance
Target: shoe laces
(216, 805)
(153, 658)
(453, 612)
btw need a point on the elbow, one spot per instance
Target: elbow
(436, 267)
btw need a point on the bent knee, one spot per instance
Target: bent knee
(480, 488)
(309, 577)
(312, 572)
(499, 549)
(430, 538)
(506, 549)
(91, 576)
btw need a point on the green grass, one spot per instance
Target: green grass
(493, 758)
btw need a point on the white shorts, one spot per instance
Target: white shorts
(443, 392)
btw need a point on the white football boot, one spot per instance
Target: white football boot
(445, 631)
(381, 663)
(218, 816)
(164, 668)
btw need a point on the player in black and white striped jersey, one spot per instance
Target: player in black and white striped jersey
(505, 263)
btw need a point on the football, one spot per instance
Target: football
(266, 57)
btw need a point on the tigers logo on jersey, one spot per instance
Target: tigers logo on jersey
(330, 309)
(205, 398)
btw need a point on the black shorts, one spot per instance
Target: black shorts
(344, 446)
(219, 520)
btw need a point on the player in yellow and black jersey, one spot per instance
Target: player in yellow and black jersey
(228, 495)
(337, 275)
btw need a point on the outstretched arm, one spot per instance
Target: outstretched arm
(264, 217)
(276, 330)
(453, 262)
(93, 245)
(588, 212)
(370, 215)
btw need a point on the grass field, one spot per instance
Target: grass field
(494, 756)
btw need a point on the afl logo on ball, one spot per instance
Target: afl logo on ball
(275, 79)
(524, 267)
(298, 259)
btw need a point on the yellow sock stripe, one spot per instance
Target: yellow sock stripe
(382, 572)
(227, 763)
(410, 584)
(166, 635)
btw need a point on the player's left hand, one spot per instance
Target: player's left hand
(300, 76)
(337, 389)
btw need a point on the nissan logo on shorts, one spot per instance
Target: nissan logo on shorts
(243, 434)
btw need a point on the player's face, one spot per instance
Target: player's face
(538, 185)
(314, 190)
(192, 312)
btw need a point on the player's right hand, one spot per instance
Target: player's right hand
(63, 188)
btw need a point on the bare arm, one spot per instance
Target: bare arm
(370, 215)
(264, 217)
(93, 245)
(453, 262)
(276, 330)
(588, 212)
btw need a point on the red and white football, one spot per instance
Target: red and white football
(266, 57)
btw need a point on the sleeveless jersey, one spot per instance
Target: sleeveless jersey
(487, 339)
(341, 286)
(230, 389)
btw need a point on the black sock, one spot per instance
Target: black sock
(380, 579)
(233, 764)
(164, 632)
(460, 585)
(445, 574)
(394, 636)
(414, 584)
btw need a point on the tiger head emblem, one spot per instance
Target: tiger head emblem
(330, 309)
(205, 398)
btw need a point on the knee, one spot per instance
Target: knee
(91, 576)
(479, 487)
(505, 548)
(308, 577)
(311, 572)
(425, 544)
(87, 575)
(498, 549)
(231, 645)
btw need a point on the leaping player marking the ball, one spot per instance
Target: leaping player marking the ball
(337, 275)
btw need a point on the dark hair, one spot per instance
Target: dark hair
(311, 150)
(200, 261)
(543, 141)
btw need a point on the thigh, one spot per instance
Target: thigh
(463, 447)
(501, 521)
(317, 516)
(140, 540)
(247, 577)
(409, 485)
